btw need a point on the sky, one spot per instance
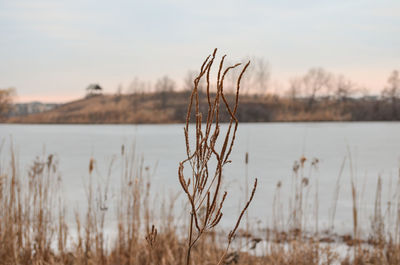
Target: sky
(52, 50)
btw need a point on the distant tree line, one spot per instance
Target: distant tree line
(317, 90)
(317, 86)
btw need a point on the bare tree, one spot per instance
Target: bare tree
(164, 86)
(138, 86)
(261, 75)
(256, 80)
(118, 93)
(295, 85)
(188, 81)
(392, 91)
(135, 89)
(315, 81)
(135, 86)
(6, 99)
(343, 88)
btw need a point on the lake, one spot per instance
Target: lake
(368, 150)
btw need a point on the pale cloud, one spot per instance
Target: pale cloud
(67, 44)
(53, 19)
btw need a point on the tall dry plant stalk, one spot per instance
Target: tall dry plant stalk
(332, 211)
(397, 213)
(355, 207)
(377, 223)
(28, 208)
(204, 186)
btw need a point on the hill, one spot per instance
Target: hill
(102, 109)
(171, 107)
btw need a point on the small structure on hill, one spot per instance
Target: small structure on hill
(93, 89)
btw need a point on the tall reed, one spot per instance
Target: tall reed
(203, 187)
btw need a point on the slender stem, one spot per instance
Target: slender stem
(190, 240)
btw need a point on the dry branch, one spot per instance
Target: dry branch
(203, 187)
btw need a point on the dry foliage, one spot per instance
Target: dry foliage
(204, 186)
